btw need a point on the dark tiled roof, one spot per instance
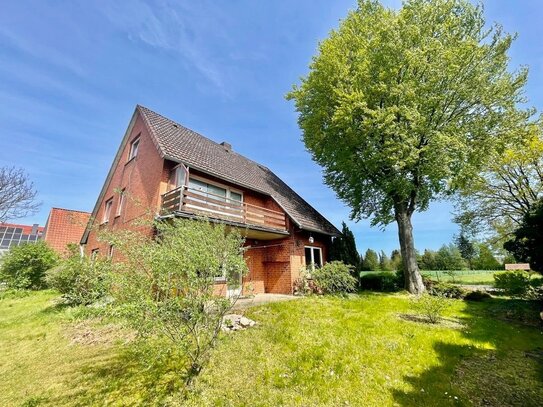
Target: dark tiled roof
(184, 145)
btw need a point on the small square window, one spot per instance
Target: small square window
(94, 253)
(134, 146)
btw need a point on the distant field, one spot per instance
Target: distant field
(472, 277)
(469, 277)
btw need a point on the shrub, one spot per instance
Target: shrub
(165, 286)
(384, 281)
(515, 283)
(431, 306)
(80, 280)
(334, 278)
(304, 285)
(24, 266)
(447, 290)
(477, 295)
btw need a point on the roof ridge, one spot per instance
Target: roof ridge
(69, 210)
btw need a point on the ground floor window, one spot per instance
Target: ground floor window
(313, 256)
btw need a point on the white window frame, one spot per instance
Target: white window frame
(110, 251)
(107, 210)
(120, 204)
(94, 254)
(179, 167)
(219, 185)
(312, 264)
(134, 148)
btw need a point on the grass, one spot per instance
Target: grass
(468, 277)
(315, 351)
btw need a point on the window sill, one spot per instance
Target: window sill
(220, 280)
(129, 161)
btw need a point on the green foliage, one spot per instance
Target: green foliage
(430, 306)
(516, 283)
(396, 260)
(80, 280)
(448, 257)
(24, 266)
(466, 248)
(334, 277)
(382, 281)
(446, 290)
(165, 286)
(370, 261)
(485, 259)
(496, 201)
(428, 260)
(477, 295)
(527, 244)
(384, 262)
(343, 249)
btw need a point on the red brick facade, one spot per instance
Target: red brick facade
(273, 264)
(63, 227)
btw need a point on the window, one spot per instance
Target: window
(134, 146)
(178, 177)
(120, 204)
(110, 251)
(107, 210)
(313, 257)
(94, 253)
(214, 191)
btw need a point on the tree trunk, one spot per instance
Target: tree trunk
(413, 279)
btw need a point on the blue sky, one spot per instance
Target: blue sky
(71, 73)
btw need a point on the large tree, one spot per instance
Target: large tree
(17, 194)
(402, 107)
(496, 201)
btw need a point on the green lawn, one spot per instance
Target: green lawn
(309, 352)
(471, 277)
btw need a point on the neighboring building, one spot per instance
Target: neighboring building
(64, 226)
(165, 167)
(15, 235)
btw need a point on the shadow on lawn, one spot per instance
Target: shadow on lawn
(507, 371)
(132, 376)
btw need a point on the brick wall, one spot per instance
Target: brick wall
(64, 227)
(144, 179)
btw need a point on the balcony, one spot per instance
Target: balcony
(189, 200)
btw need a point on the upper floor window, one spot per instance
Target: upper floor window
(215, 192)
(120, 204)
(107, 210)
(134, 146)
(178, 177)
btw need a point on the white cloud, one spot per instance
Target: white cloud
(185, 29)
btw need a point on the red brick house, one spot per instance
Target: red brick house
(177, 172)
(63, 227)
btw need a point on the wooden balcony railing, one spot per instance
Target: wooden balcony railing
(190, 200)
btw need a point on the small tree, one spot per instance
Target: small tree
(428, 260)
(466, 247)
(384, 262)
(23, 267)
(166, 285)
(448, 257)
(370, 261)
(17, 194)
(396, 260)
(485, 259)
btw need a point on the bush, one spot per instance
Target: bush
(515, 283)
(446, 290)
(476, 295)
(384, 281)
(80, 280)
(23, 267)
(165, 286)
(431, 306)
(334, 278)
